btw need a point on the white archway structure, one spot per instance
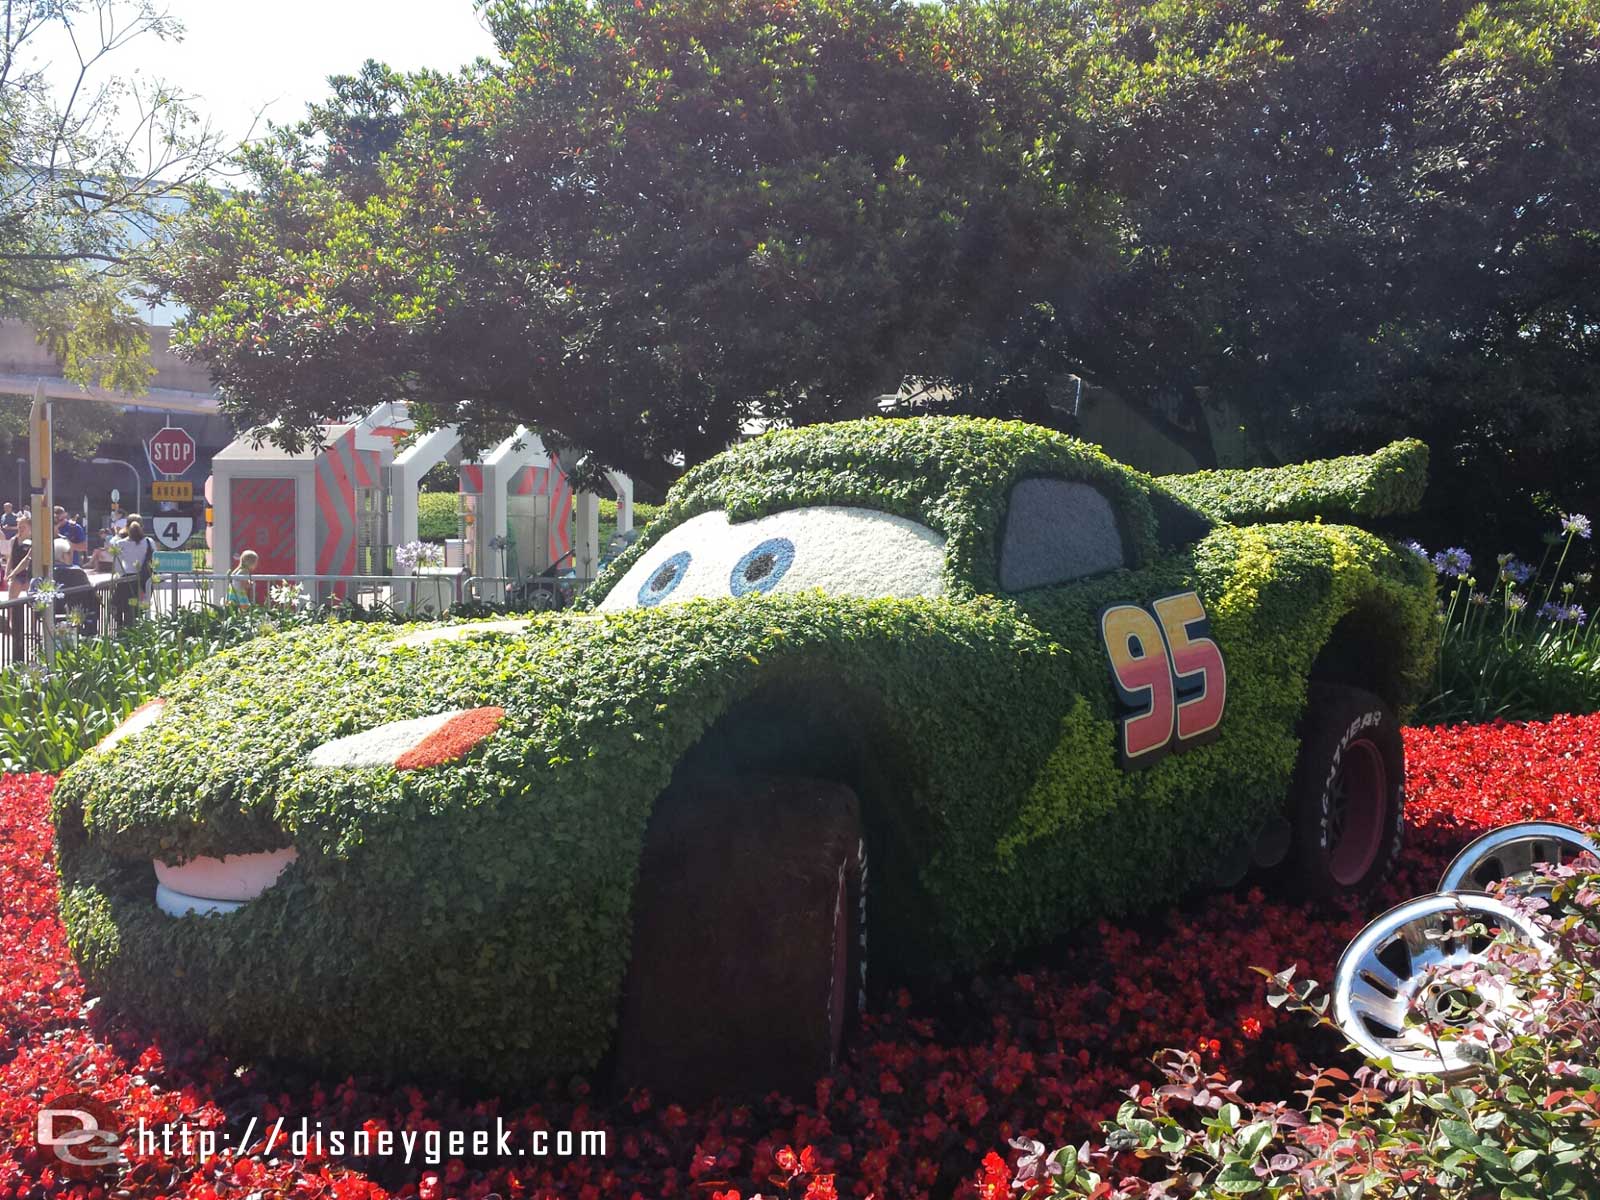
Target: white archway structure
(500, 467)
(405, 477)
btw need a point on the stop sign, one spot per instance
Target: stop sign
(172, 451)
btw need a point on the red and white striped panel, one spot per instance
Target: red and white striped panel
(412, 745)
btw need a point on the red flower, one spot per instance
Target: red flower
(1063, 1045)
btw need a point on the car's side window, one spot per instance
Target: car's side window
(1057, 530)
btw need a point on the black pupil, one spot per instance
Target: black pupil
(760, 566)
(664, 577)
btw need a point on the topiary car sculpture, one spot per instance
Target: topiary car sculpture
(1028, 685)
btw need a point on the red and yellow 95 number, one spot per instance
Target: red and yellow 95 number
(1171, 682)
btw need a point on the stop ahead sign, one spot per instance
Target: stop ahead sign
(172, 451)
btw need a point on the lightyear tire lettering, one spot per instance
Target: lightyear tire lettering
(1347, 798)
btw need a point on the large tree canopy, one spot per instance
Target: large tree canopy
(92, 167)
(648, 225)
(1349, 221)
(651, 224)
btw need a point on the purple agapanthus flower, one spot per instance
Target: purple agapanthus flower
(1514, 570)
(1576, 524)
(1516, 603)
(1455, 562)
(1417, 549)
(1561, 614)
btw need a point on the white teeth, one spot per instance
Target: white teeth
(207, 885)
(177, 904)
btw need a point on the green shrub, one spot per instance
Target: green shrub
(1524, 1125)
(1521, 647)
(483, 907)
(438, 516)
(1361, 485)
(643, 514)
(48, 718)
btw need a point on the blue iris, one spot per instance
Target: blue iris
(760, 570)
(664, 579)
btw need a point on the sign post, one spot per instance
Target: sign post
(172, 452)
(42, 495)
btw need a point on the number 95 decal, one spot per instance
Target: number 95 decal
(1169, 676)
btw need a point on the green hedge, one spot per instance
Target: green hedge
(1363, 485)
(473, 919)
(437, 516)
(438, 519)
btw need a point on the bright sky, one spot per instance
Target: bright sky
(238, 56)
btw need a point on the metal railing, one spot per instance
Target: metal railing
(103, 607)
(97, 610)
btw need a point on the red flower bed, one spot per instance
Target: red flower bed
(934, 1087)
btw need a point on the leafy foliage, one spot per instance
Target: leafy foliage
(438, 516)
(87, 185)
(1523, 645)
(1527, 1124)
(1364, 485)
(1344, 222)
(1278, 232)
(977, 729)
(48, 718)
(1048, 1050)
(648, 225)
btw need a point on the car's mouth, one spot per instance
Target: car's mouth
(226, 884)
(218, 885)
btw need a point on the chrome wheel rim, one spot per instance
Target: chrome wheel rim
(1395, 966)
(1512, 853)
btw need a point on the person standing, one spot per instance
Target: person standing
(69, 529)
(241, 580)
(18, 571)
(132, 555)
(19, 564)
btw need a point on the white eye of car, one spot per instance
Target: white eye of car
(843, 551)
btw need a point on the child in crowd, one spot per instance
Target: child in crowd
(241, 580)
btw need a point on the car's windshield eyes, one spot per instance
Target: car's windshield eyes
(1057, 530)
(842, 551)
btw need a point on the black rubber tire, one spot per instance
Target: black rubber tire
(1347, 799)
(749, 939)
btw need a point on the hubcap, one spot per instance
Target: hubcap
(1403, 963)
(1514, 852)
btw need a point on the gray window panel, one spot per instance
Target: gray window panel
(1057, 531)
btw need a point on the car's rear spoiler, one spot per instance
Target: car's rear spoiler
(1381, 484)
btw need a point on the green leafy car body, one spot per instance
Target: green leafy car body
(473, 919)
